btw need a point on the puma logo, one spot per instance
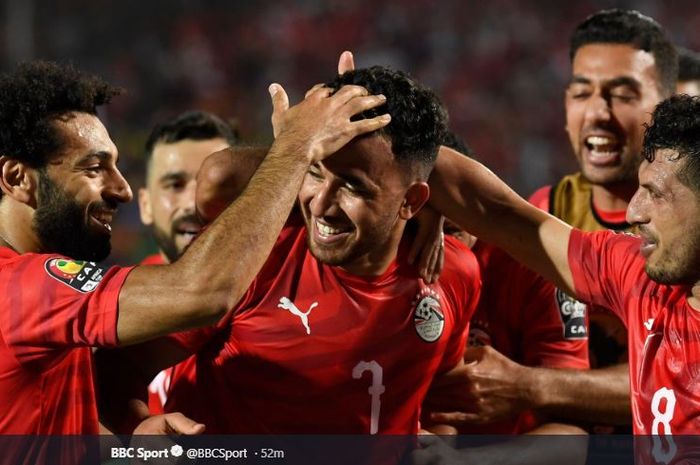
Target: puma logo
(287, 304)
(649, 323)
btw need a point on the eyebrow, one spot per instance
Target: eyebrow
(578, 79)
(173, 175)
(614, 82)
(101, 156)
(625, 81)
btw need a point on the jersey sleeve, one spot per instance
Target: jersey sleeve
(605, 267)
(462, 288)
(50, 301)
(554, 329)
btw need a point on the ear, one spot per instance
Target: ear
(416, 196)
(145, 210)
(18, 180)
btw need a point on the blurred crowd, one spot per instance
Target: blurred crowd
(500, 66)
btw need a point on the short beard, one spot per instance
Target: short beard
(61, 224)
(165, 243)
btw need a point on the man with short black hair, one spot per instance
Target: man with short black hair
(623, 64)
(60, 191)
(688, 72)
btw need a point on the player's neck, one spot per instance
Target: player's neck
(377, 261)
(614, 197)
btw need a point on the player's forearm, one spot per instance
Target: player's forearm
(599, 395)
(473, 197)
(219, 266)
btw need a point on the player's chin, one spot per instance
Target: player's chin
(329, 255)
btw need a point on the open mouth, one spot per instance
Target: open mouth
(103, 220)
(187, 229)
(647, 247)
(603, 150)
(327, 234)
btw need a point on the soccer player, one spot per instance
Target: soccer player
(175, 150)
(60, 191)
(688, 72)
(622, 66)
(338, 333)
(650, 281)
(520, 317)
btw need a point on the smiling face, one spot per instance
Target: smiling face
(356, 203)
(667, 215)
(167, 203)
(612, 94)
(80, 190)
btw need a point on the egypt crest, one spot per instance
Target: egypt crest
(81, 276)
(427, 316)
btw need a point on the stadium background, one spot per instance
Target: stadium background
(500, 66)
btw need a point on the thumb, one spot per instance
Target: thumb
(472, 355)
(180, 424)
(280, 104)
(346, 62)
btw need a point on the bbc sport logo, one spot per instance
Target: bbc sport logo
(146, 454)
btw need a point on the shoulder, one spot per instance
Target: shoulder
(461, 273)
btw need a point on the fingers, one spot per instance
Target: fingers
(313, 90)
(359, 104)
(455, 418)
(346, 62)
(180, 424)
(365, 126)
(473, 354)
(280, 104)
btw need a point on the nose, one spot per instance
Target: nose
(117, 188)
(324, 201)
(598, 108)
(636, 211)
(187, 199)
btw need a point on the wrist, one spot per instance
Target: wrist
(535, 392)
(293, 148)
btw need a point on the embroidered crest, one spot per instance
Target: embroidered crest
(427, 316)
(81, 276)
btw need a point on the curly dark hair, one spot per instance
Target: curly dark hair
(418, 119)
(630, 27)
(33, 96)
(688, 65)
(675, 125)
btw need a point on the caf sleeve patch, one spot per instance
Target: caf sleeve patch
(573, 315)
(80, 275)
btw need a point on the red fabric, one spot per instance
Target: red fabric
(46, 330)
(158, 388)
(155, 259)
(262, 373)
(611, 217)
(540, 198)
(664, 330)
(518, 314)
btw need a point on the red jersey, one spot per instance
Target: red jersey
(664, 330)
(314, 349)
(53, 310)
(524, 317)
(158, 388)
